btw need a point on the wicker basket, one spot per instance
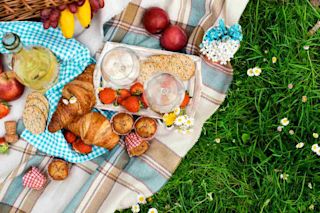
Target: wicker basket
(15, 10)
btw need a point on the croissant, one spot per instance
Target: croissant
(81, 90)
(94, 129)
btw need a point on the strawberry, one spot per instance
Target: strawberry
(136, 89)
(4, 109)
(107, 95)
(2, 141)
(122, 94)
(132, 104)
(185, 101)
(144, 101)
(81, 147)
(69, 136)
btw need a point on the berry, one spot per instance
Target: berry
(185, 101)
(132, 104)
(136, 89)
(69, 136)
(144, 101)
(4, 109)
(107, 95)
(81, 147)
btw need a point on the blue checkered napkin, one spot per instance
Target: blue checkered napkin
(73, 58)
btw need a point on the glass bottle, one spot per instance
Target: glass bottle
(36, 67)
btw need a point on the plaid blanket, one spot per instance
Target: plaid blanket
(113, 181)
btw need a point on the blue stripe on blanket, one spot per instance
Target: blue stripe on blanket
(146, 174)
(16, 186)
(197, 12)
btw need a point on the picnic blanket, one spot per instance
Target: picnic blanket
(113, 181)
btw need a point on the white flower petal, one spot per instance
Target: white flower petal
(141, 199)
(153, 210)
(284, 122)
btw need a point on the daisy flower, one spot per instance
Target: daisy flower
(169, 119)
(141, 199)
(284, 176)
(153, 210)
(304, 99)
(135, 208)
(180, 120)
(274, 60)
(315, 147)
(318, 152)
(217, 140)
(310, 185)
(189, 121)
(176, 111)
(279, 128)
(291, 132)
(311, 207)
(257, 71)
(300, 145)
(290, 86)
(284, 122)
(315, 135)
(306, 47)
(250, 72)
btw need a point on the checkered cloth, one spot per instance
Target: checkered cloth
(73, 58)
(132, 141)
(34, 179)
(113, 180)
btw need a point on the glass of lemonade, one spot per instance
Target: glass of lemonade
(36, 67)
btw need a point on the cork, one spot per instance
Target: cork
(11, 127)
(11, 138)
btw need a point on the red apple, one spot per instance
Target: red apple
(174, 38)
(155, 20)
(10, 88)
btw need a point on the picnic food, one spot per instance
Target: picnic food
(155, 20)
(4, 109)
(69, 136)
(11, 131)
(94, 129)
(177, 64)
(10, 88)
(80, 147)
(1, 63)
(145, 127)
(84, 13)
(66, 22)
(185, 101)
(144, 101)
(4, 147)
(174, 38)
(34, 179)
(132, 104)
(135, 145)
(122, 123)
(35, 113)
(77, 99)
(122, 94)
(136, 89)
(58, 170)
(107, 95)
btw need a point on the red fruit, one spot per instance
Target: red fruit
(55, 15)
(45, 13)
(132, 104)
(144, 101)
(62, 7)
(174, 38)
(73, 7)
(4, 109)
(155, 20)
(46, 24)
(69, 136)
(122, 95)
(185, 101)
(1, 64)
(81, 147)
(80, 3)
(101, 3)
(136, 89)
(10, 88)
(2, 141)
(107, 95)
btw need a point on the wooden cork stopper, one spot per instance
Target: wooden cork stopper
(11, 138)
(11, 127)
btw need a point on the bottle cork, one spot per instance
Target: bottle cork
(11, 127)
(11, 138)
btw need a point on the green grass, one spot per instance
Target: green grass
(244, 175)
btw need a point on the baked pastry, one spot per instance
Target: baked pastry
(77, 99)
(94, 129)
(146, 127)
(135, 145)
(122, 123)
(58, 170)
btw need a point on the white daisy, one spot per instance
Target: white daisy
(304, 99)
(311, 207)
(315, 147)
(177, 110)
(300, 145)
(279, 128)
(250, 72)
(291, 132)
(315, 135)
(306, 47)
(257, 71)
(217, 140)
(189, 121)
(141, 199)
(310, 185)
(274, 60)
(135, 208)
(153, 210)
(318, 152)
(180, 120)
(290, 86)
(284, 176)
(284, 122)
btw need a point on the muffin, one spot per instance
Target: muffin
(122, 123)
(58, 170)
(146, 127)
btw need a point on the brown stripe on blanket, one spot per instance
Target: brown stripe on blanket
(210, 99)
(5, 208)
(163, 155)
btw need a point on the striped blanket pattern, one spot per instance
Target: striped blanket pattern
(113, 181)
